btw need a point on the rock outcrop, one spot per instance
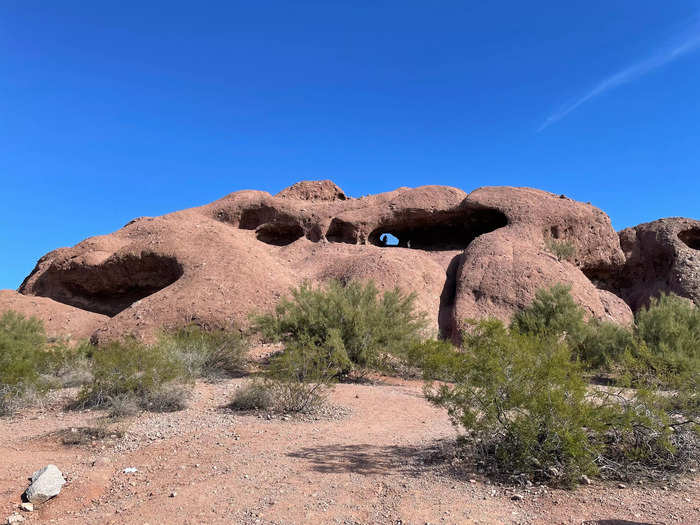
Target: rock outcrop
(60, 320)
(475, 255)
(661, 256)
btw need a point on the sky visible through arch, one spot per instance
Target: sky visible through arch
(113, 110)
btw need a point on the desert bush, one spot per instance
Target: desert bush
(521, 392)
(255, 395)
(670, 329)
(368, 325)
(22, 344)
(563, 250)
(523, 398)
(553, 312)
(130, 369)
(437, 359)
(67, 366)
(604, 344)
(211, 354)
(298, 379)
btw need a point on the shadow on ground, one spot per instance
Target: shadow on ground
(367, 459)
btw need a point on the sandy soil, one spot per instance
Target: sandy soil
(378, 462)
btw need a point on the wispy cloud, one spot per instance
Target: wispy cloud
(683, 44)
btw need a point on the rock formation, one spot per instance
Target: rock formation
(476, 255)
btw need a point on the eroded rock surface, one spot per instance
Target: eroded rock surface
(477, 255)
(662, 256)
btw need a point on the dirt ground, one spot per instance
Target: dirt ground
(377, 461)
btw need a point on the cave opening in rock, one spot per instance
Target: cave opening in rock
(453, 230)
(112, 286)
(691, 238)
(279, 234)
(387, 239)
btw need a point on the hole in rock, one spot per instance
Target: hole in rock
(452, 230)
(691, 238)
(251, 218)
(341, 231)
(387, 239)
(111, 286)
(279, 234)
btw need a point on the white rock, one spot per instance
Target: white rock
(46, 483)
(27, 507)
(15, 518)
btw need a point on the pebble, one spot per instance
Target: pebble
(27, 507)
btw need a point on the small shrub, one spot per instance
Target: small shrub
(553, 313)
(523, 399)
(670, 329)
(563, 250)
(121, 406)
(255, 395)
(132, 369)
(436, 359)
(22, 344)
(210, 354)
(368, 324)
(604, 344)
(67, 366)
(169, 397)
(298, 379)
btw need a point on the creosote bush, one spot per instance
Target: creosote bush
(24, 361)
(329, 332)
(213, 354)
(562, 249)
(150, 375)
(523, 399)
(361, 325)
(520, 391)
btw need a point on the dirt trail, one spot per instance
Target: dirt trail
(375, 464)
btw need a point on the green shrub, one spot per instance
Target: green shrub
(255, 395)
(437, 359)
(132, 369)
(552, 313)
(22, 346)
(670, 329)
(67, 366)
(369, 326)
(604, 344)
(563, 250)
(521, 392)
(298, 379)
(210, 354)
(523, 398)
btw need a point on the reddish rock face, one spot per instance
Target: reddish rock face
(60, 320)
(661, 256)
(477, 255)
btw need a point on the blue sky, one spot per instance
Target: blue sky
(115, 109)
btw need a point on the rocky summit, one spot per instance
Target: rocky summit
(472, 255)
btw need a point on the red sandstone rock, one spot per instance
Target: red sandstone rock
(473, 255)
(60, 320)
(662, 256)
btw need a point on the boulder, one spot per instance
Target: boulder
(46, 484)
